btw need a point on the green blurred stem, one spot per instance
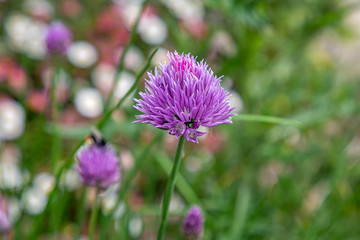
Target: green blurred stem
(56, 140)
(81, 214)
(122, 59)
(170, 188)
(94, 213)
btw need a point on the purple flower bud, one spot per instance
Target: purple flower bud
(98, 165)
(193, 223)
(182, 97)
(4, 216)
(58, 38)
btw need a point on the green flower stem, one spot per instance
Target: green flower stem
(94, 213)
(170, 188)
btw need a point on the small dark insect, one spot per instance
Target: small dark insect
(95, 138)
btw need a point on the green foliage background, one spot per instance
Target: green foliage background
(269, 181)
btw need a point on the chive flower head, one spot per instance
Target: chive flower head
(182, 95)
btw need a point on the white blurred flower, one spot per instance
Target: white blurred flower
(125, 81)
(134, 59)
(16, 26)
(193, 164)
(44, 182)
(160, 57)
(89, 102)
(108, 203)
(152, 30)
(186, 9)
(70, 180)
(33, 201)
(34, 44)
(26, 35)
(10, 175)
(130, 12)
(82, 54)
(177, 204)
(126, 159)
(12, 120)
(136, 226)
(120, 210)
(103, 77)
(236, 101)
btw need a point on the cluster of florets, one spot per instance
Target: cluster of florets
(98, 165)
(183, 95)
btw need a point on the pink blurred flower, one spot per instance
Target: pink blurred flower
(5, 224)
(13, 74)
(37, 101)
(196, 28)
(110, 33)
(70, 8)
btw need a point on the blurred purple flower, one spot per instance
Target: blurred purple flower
(193, 223)
(4, 217)
(98, 165)
(58, 38)
(182, 97)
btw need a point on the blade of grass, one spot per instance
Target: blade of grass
(241, 211)
(181, 184)
(128, 180)
(266, 119)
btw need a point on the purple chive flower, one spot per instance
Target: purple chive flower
(5, 224)
(98, 165)
(58, 38)
(182, 96)
(193, 223)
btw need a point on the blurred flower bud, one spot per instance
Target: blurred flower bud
(193, 224)
(98, 165)
(58, 38)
